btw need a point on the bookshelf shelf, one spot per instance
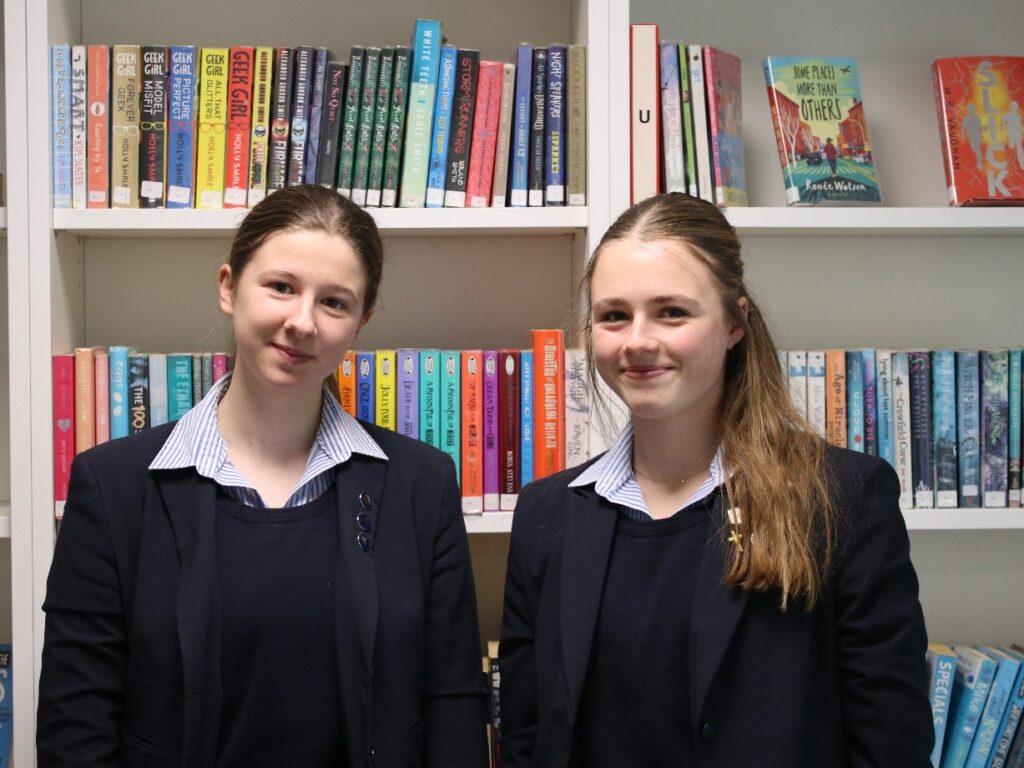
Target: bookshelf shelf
(393, 222)
(878, 222)
(489, 522)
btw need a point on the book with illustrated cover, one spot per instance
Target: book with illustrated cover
(821, 131)
(922, 456)
(372, 58)
(386, 380)
(901, 430)
(971, 685)
(883, 404)
(239, 126)
(60, 115)
(968, 429)
(855, 400)
(995, 393)
(816, 390)
(330, 128)
(554, 127)
(467, 70)
(484, 143)
(426, 45)
(381, 121)
(672, 135)
(699, 112)
(835, 397)
(438, 166)
(98, 126)
(979, 102)
(350, 120)
(944, 427)
(298, 136)
(396, 126)
(723, 87)
(472, 405)
(181, 126)
(942, 666)
(79, 87)
(259, 138)
(124, 128)
(213, 117)
(316, 108)
(280, 119)
(153, 122)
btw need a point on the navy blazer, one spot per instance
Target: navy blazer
(845, 684)
(131, 658)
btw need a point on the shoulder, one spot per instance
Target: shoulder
(548, 498)
(126, 456)
(851, 473)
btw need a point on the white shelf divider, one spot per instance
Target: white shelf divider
(878, 221)
(5, 520)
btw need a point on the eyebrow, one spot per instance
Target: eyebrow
(617, 301)
(271, 274)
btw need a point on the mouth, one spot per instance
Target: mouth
(291, 354)
(642, 372)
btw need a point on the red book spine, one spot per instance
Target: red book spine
(63, 423)
(236, 167)
(485, 134)
(549, 408)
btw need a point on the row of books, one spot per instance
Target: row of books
(948, 421)
(977, 696)
(422, 125)
(506, 417)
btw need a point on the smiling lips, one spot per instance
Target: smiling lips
(291, 354)
(643, 371)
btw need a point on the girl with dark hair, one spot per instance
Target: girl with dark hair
(267, 581)
(721, 588)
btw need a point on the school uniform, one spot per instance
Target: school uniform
(187, 625)
(622, 645)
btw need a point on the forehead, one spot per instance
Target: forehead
(308, 251)
(658, 266)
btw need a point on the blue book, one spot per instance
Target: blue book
(181, 126)
(1013, 449)
(942, 664)
(118, 391)
(408, 379)
(60, 114)
(451, 406)
(983, 746)
(442, 127)
(366, 390)
(526, 423)
(944, 427)
(870, 404)
(883, 403)
(316, 108)
(968, 429)
(179, 385)
(971, 685)
(995, 395)
(426, 44)
(855, 400)
(1010, 724)
(430, 397)
(158, 410)
(554, 128)
(519, 171)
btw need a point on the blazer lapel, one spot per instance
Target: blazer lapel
(587, 543)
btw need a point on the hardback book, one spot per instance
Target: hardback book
(689, 139)
(179, 385)
(153, 124)
(472, 432)
(117, 364)
(821, 131)
(1013, 440)
(330, 127)
(124, 128)
(181, 126)
(526, 420)
(467, 65)
(79, 87)
(63, 382)
(577, 126)
(923, 459)
(1009, 726)
(870, 403)
(438, 168)
(986, 738)
(816, 391)
(971, 685)
(379, 137)
(509, 431)
(407, 363)
(60, 116)
(158, 399)
(673, 154)
(350, 120)
(484, 143)
(797, 364)
(903, 449)
(978, 100)
(280, 119)
(835, 397)
(994, 407)
(364, 126)
(430, 397)
(577, 408)
(366, 390)
(644, 110)
(259, 137)
(451, 407)
(549, 401)
(396, 126)
(98, 126)
(298, 136)
(723, 86)
(138, 392)
(944, 427)
(942, 667)
(554, 127)
(701, 136)
(519, 153)
(101, 394)
(855, 400)
(213, 118)
(85, 399)
(347, 383)
(968, 428)
(883, 401)
(499, 182)
(316, 108)
(489, 432)
(538, 114)
(386, 381)
(426, 45)
(241, 60)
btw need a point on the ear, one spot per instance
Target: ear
(736, 331)
(226, 290)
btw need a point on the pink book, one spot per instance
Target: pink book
(101, 371)
(220, 365)
(492, 471)
(485, 134)
(63, 423)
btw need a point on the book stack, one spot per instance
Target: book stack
(413, 125)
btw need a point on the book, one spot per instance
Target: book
(396, 126)
(298, 135)
(6, 704)
(701, 137)
(499, 182)
(816, 400)
(124, 128)
(978, 100)
(441, 133)
(430, 397)
(179, 385)
(213, 117)
(576, 165)
(451, 410)
(971, 685)
(280, 119)
(689, 137)
(60, 117)
(138, 392)
(347, 383)
(85, 399)
(519, 152)
(835, 397)
(494, 691)
(870, 403)
(883, 403)
(63, 382)
(386, 382)
(407, 363)
(797, 364)
(364, 126)
(467, 65)
(1010, 724)
(181, 126)
(153, 124)
(350, 120)
(426, 45)
(117, 364)
(855, 400)
(220, 364)
(259, 137)
(901, 426)
(197, 376)
(821, 131)
(968, 429)
(158, 399)
(526, 417)
(922, 456)
(241, 62)
(577, 408)
(723, 87)
(484, 144)
(366, 390)
(942, 667)
(489, 431)
(1013, 435)
(538, 113)
(549, 399)
(378, 140)
(101, 395)
(316, 108)
(98, 126)
(554, 127)
(509, 432)
(330, 129)
(944, 427)
(472, 404)
(644, 109)
(994, 406)
(78, 104)
(985, 738)
(673, 155)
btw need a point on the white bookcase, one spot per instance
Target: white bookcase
(911, 273)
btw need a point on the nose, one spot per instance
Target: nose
(640, 336)
(301, 320)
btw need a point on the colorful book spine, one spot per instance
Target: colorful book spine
(347, 383)
(538, 113)
(396, 127)
(816, 389)
(197, 376)
(672, 152)
(330, 130)
(153, 122)
(944, 427)
(79, 88)
(430, 397)
(181, 126)
(472, 432)
(971, 685)
(386, 381)
(722, 85)
(98, 126)
(489, 431)
(577, 408)
(688, 126)
(124, 128)
(426, 46)
(484, 144)
(577, 126)
(521, 124)
(280, 119)
(855, 400)
(985, 739)
(101, 393)
(316, 109)
(883, 399)
(451, 410)
(298, 136)
(60, 115)
(549, 396)
(63, 378)
(138, 392)
(350, 120)
(213, 118)
(259, 138)
(117, 364)
(835, 397)
(379, 138)
(554, 127)
(526, 417)
(408, 385)
(509, 441)
(1014, 416)
(968, 428)
(499, 182)
(218, 366)
(441, 134)
(366, 390)
(995, 392)
(179, 385)
(942, 666)
(796, 362)
(870, 403)
(364, 129)
(923, 458)
(901, 425)
(1010, 724)
(241, 62)
(85, 399)
(158, 398)
(467, 64)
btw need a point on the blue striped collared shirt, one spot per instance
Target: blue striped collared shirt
(196, 441)
(613, 478)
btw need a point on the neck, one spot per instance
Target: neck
(667, 453)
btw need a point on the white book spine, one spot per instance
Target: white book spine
(816, 391)
(798, 381)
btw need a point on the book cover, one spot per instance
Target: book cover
(883, 400)
(1013, 437)
(985, 738)
(396, 126)
(968, 428)
(922, 456)
(944, 427)
(522, 101)
(821, 131)
(577, 126)
(855, 400)
(241, 60)
(538, 113)
(60, 116)
(280, 119)
(259, 137)
(526, 417)
(98, 126)
(472, 432)
(554, 127)
(489, 431)
(316, 108)
(835, 397)
(673, 155)
(995, 392)
(386, 381)
(499, 183)
(347, 383)
(870, 403)
(117, 364)
(978, 100)
(797, 364)
(971, 685)
(381, 117)
(509, 441)
(364, 125)
(1010, 724)
(816, 388)
(85, 399)
(451, 407)
(549, 401)
(158, 398)
(644, 109)
(441, 133)
(124, 128)
(408, 384)
(901, 425)
(298, 136)
(426, 44)
(942, 666)
(181, 126)
(179, 385)
(577, 408)
(350, 120)
(153, 124)
(63, 378)
(213, 117)
(723, 87)
(138, 392)
(366, 389)
(467, 66)
(330, 129)
(701, 135)
(78, 105)
(430, 397)
(484, 143)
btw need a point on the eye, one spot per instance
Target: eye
(336, 304)
(279, 286)
(674, 312)
(611, 316)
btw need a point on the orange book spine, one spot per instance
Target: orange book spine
(485, 134)
(85, 400)
(101, 388)
(236, 167)
(549, 399)
(347, 383)
(97, 156)
(835, 397)
(472, 432)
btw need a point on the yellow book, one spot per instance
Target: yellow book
(385, 389)
(212, 122)
(124, 124)
(259, 141)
